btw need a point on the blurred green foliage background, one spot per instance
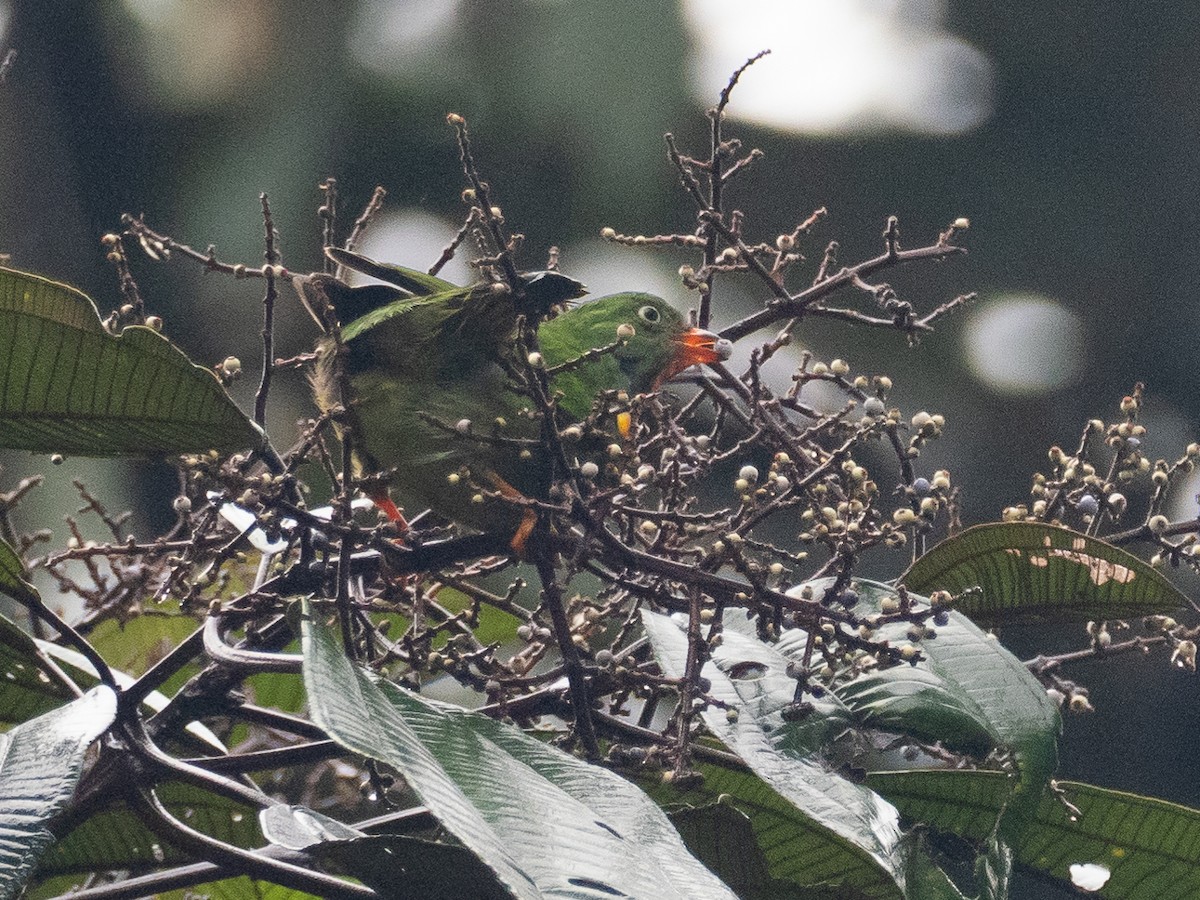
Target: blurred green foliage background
(1067, 133)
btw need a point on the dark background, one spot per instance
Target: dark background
(1077, 168)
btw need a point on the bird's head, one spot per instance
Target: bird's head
(657, 341)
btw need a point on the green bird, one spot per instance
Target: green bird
(432, 402)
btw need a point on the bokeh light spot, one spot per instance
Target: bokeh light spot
(201, 55)
(840, 66)
(398, 37)
(1025, 345)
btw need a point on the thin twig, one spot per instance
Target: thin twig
(327, 212)
(448, 251)
(552, 595)
(483, 201)
(270, 270)
(365, 218)
(802, 303)
(136, 226)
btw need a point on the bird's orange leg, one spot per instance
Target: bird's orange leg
(528, 518)
(524, 530)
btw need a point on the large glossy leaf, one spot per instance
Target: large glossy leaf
(1031, 572)
(68, 386)
(546, 823)
(1151, 848)
(990, 682)
(853, 839)
(41, 761)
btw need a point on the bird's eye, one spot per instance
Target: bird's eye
(649, 314)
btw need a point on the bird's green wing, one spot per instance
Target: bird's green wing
(438, 307)
(411, 280)
(361, 309)
(459, 328)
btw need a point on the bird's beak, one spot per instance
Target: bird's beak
(695, 347)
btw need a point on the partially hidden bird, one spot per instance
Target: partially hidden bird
(432, 404)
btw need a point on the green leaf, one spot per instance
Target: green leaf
(242, 888)
(117, 838)
(1150, 847)
(543, 821)
(797, 850)
(13, 577)
(787, 842)
(965, 802)
(68, 386)
(282, 691)
(993, 870)
(1030, 572)
(912, 700)
(26, 688)
(135, 644)
(928, 881)
(852, 838)
(419, 868)
(41, 761)
(493, 625)
(723, 838)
